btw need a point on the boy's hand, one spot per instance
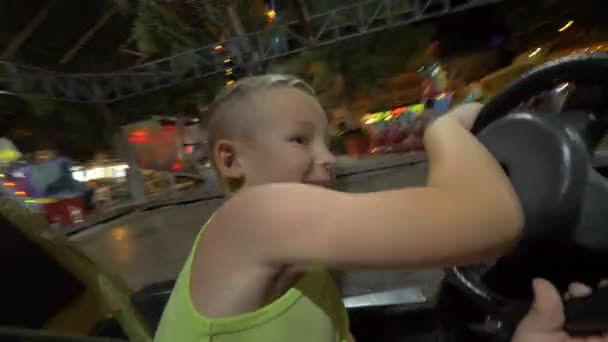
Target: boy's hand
(545, 321)
(465, 115)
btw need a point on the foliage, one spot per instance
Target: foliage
(361, 64)
(163, 28)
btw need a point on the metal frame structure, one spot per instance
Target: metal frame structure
(339, 24)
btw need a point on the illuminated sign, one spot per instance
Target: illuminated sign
(411, 112)
(155, 146)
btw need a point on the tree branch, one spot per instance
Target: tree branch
(27, 31)
(87, 35)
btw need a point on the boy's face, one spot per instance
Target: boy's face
(289, 142)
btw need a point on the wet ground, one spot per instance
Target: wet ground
(151, 246)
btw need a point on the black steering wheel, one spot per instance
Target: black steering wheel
(548, 159)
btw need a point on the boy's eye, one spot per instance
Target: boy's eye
(299, 140)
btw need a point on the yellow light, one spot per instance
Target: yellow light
(20, 193)
(271, 14)
(119, 233)
(1, 175)
(230, 82)
(441, 96)
(535, 52)
(227, 60)
(567, 26)
(229, 71)
(41, 200)
(370, 121)
(218, 47)
(417, 108)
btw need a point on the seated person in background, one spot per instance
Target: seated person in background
(257, 271)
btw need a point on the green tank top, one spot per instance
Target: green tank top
(311, 311)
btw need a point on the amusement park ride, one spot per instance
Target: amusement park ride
(547, 156)
(360, 18)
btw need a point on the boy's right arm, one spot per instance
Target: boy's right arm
(466, 213)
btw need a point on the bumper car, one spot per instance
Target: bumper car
(548, 157)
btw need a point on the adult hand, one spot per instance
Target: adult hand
(546, 319)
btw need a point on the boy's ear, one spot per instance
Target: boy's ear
(226, 154)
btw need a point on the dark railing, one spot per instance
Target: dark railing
(279, 40)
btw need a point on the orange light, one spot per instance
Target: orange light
(398, 111)
(20, 193)
(271, 14)
(218, 47)
(9, 184)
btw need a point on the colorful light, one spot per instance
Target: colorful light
(567, 26)
(271, 14)
(139, 137)
(40, 200)
(9, 184)
(229, 82)
(218, 47)
(398, 111)
(176, 166)
(535, 52)
(21, 193)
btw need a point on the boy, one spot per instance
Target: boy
(252, 274)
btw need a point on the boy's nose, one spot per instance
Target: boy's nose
(327, 158)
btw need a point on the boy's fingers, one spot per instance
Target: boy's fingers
(579, 290)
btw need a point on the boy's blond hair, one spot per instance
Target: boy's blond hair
(230, 118)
